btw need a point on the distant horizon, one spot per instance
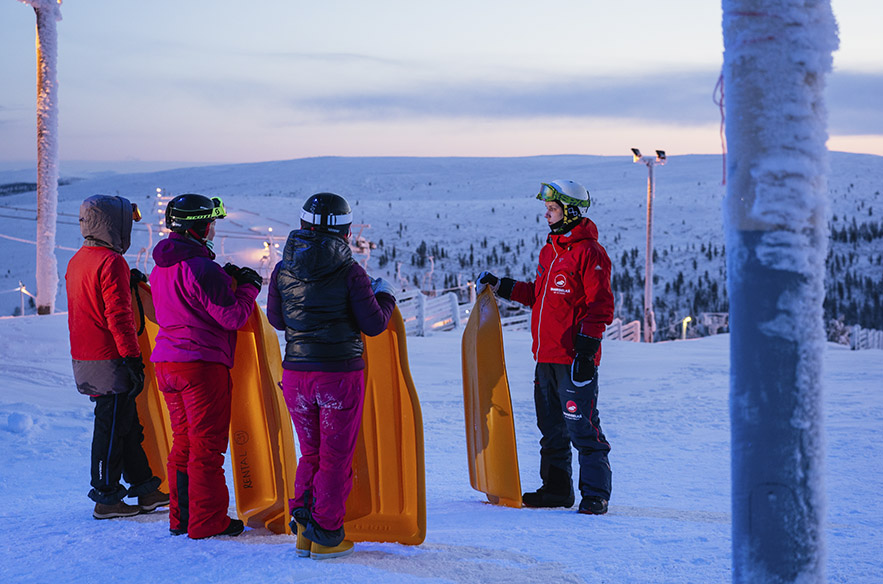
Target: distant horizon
(132, 166)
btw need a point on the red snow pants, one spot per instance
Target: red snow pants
(326, 408)
(197, 395)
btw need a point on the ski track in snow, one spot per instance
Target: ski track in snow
(664, 408)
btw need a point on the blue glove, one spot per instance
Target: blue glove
(381, 285)
(490, 280)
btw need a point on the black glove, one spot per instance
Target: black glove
(232, 269)
(492, 281)
(249, 276)
(136, 276)
(583, 370)
(502, 287)
(135, 367)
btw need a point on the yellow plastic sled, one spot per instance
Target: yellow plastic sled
(262, 452)
(388, 500)
(490, 428)
(151, 406)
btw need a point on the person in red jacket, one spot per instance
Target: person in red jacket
(106, 358)
(572, 304)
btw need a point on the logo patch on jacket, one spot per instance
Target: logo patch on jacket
(571, 411)
(560, 284)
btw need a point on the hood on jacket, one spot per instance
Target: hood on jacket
(313, 255)
(106, 221)
(178, 247)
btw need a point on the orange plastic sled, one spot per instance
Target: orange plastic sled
(388, 500)
(262, 452)
(490, 428)
(151, 406)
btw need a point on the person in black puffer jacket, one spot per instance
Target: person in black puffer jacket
(324, 300)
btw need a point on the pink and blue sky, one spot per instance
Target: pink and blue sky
(234, 81)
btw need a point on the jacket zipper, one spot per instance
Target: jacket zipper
(536, 356)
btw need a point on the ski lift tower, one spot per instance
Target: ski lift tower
(649, 315)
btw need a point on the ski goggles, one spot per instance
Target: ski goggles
(136, 213)
(218, 212)
(548, 192)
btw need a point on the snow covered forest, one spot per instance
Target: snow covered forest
(436, 223)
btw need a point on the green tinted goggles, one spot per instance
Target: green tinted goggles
(217, 213)
(550, 193)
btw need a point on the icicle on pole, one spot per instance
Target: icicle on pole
(48, 14)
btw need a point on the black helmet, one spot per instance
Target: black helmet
(327, 212)
(193, 213)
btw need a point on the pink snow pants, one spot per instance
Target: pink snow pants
(326, 408)
(198, 396)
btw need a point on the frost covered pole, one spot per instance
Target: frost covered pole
(777, 54)
(48, 14)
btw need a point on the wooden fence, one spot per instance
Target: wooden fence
(860, 338)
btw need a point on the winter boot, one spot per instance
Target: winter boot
(557, 489)
(593, 506)
(324, 552)
(151, 501)
(545, 497)
(327, 543)
(302, 545)
(120, 509)
(234, 528)
(300, 517)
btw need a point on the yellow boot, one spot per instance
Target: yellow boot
(303, 544)
(325, 552)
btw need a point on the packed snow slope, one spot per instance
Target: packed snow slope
(664, 408)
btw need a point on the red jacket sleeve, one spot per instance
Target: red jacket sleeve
(599, 296)
(117, 298)
(524, 292)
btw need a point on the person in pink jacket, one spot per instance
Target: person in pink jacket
(198, 312)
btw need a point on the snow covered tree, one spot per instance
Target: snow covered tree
(777, 54)
(48, 14)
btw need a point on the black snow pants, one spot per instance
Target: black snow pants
(567, 414)
(117, 451)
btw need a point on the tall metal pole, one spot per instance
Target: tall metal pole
(649, 315)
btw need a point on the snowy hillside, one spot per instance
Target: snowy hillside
(663, 408)
(471, 214)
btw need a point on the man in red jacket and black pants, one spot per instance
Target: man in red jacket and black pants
(106, 357)
(572, 305)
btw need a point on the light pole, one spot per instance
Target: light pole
(649, 315)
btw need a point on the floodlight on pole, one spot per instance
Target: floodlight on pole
(649, 315)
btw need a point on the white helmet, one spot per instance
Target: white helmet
(567, 192)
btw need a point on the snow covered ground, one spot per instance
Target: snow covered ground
(664, 407)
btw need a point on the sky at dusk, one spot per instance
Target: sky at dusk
(233, 81)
